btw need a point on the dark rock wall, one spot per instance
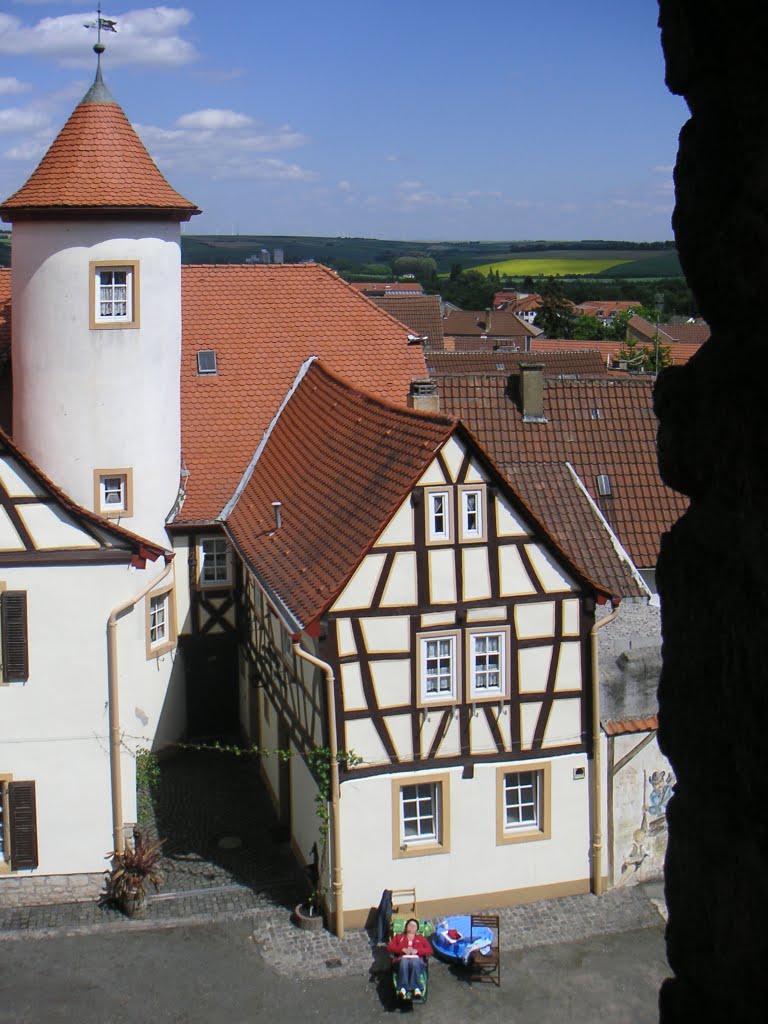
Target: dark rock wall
(713, 570)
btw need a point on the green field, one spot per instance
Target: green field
(568, 266)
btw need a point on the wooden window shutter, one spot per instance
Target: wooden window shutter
(13, 621)
(23, 825)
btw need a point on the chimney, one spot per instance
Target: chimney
(532, 392)
(423, 395)
(277, 507)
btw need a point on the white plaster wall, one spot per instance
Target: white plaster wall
(639, 822)
(475, 864)
(87, 399)
(54, 728)
(268, 725)
(305, 825)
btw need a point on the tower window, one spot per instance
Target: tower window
(114, 295)
(113, 492)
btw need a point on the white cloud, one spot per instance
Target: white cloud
(22, 119)
(408, 185)
(12, 86)
(224, 144)
(212, 119)
(663, 168)
(344, 186)
(145, 37)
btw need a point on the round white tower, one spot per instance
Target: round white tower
(96, 282)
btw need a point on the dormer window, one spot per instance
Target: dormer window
(114, 294)
(206, 363)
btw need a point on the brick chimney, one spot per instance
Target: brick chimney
(423, 395)
(532, 392)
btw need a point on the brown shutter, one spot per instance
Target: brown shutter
(13, 621)
(23, 825)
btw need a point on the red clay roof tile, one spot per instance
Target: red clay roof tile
(97, 161)
(263, 322)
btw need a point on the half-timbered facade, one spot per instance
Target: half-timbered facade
(457, 634)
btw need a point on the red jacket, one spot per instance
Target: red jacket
(419, 945)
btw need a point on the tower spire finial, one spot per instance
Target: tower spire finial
(108, 25)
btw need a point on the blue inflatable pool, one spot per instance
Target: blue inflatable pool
(454, 939)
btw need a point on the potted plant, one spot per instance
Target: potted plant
(309, 914)
(133, 871)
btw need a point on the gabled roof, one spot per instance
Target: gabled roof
(341, 462)
(42, 524)
(263, 322)
(600, 426)
(607, 308)
(691, 334)
(97, 165)
(504, 361)
(496, 323)
(420, 313)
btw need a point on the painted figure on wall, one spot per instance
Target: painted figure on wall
(649, 841)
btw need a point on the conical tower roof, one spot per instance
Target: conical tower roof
(97, 166)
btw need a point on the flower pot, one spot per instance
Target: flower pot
(133, 902)
(309, 922)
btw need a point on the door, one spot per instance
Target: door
(211, 672)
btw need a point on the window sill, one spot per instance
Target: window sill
(532, 835)
(422, 850)
(160, 649)
(118, 325)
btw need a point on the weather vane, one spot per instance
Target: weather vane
(107, 24)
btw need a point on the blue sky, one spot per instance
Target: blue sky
(433, 120)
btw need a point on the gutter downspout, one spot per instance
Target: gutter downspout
(336, 882)
(115, 772)
(597, 756)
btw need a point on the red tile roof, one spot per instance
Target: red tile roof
(263, 322)
(619, 441)
(671, 334)
(549, 489)
(341, 462)
(628, 725)
(504, 361)
(594, 307)
(420, 313)
(388, 287)
(97, 161)
(477, 322)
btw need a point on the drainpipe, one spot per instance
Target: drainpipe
(115, 771)
(597, 756)
(336, 885)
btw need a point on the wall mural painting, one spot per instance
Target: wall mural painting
(649, 842)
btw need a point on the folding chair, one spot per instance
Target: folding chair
(488, 966)
(403, 907)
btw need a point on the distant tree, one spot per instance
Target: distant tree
(423, 268)
(456, 269)
(528, 285)
(554, 315)
(589, 328)
(470, 290)
(645, 358)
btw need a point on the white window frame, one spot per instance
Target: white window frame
(477, 663)
(129, 316)
(225, 550)
(110, 509)
(439, 509)
(425, 656)
(526, 788)
(5, 825)
(478, 530)
(160, 635)
(429, 792)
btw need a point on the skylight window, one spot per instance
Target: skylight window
(206, 362)
(604, 485)
(595, 413)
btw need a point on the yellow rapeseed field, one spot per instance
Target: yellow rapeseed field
(543, 267)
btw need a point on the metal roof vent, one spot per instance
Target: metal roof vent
(604, 485)
(277, 507)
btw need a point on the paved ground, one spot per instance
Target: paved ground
(214, 974)
(226, 862)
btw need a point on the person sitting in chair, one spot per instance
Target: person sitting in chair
(410, 950)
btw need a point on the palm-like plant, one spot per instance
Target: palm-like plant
(133, 870)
